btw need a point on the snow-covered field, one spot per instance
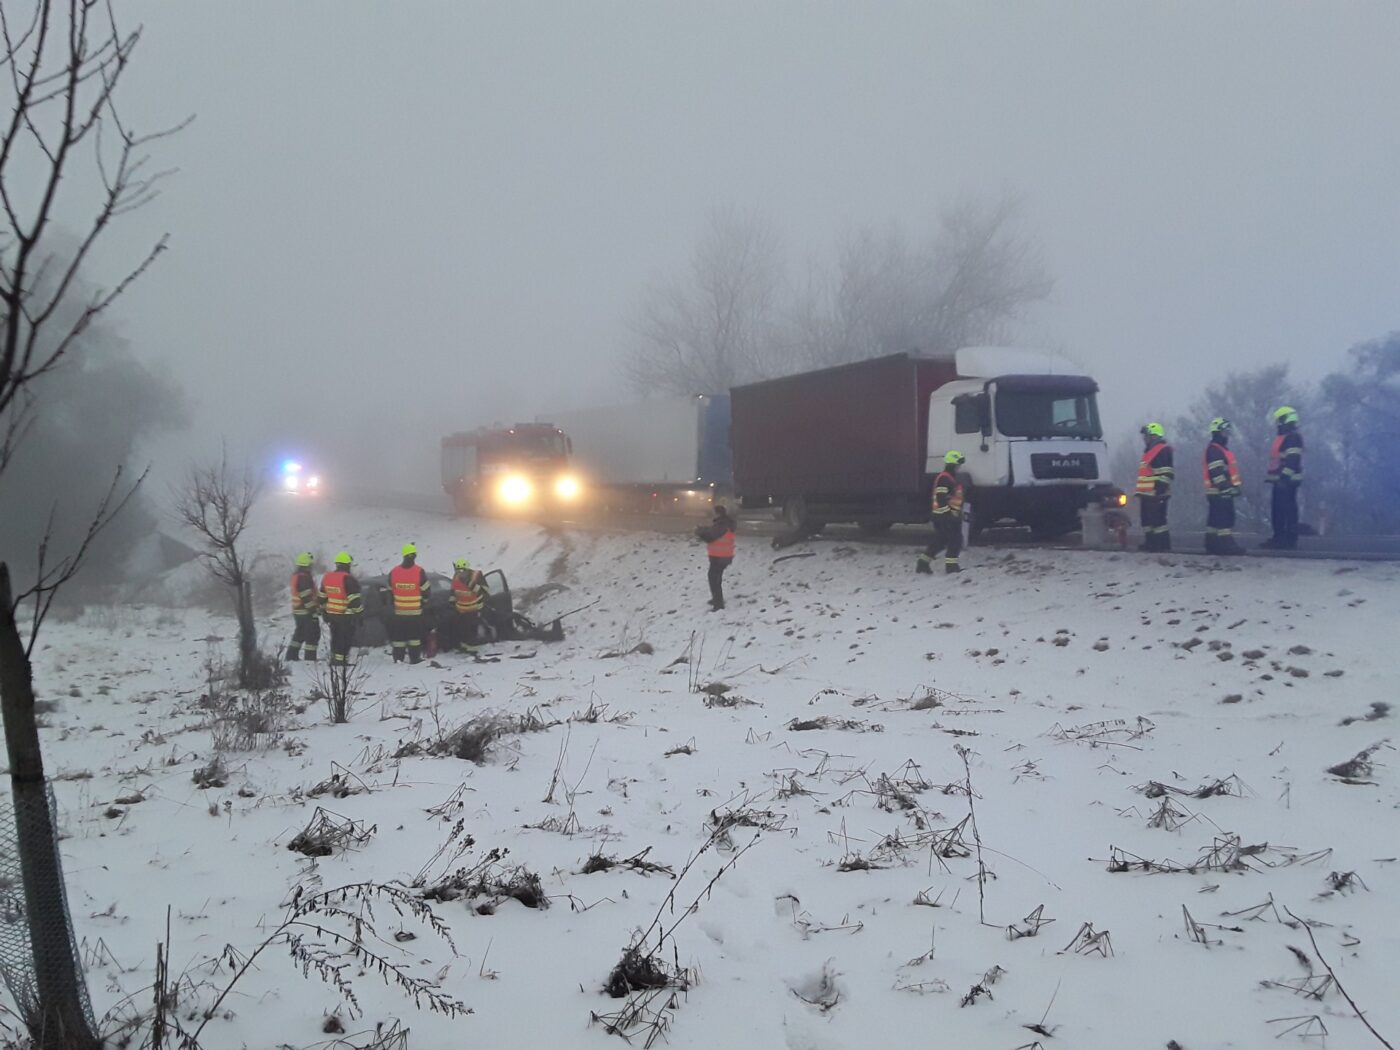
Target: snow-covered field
(1074, 681)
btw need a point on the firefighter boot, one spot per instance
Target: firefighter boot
(415, 654)
(398, 654)
(293, 652)
(922, 566)
(951, 566)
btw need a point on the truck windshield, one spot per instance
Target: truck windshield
(537, 446)
(1047, 413)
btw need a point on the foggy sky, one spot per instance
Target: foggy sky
(397, 220)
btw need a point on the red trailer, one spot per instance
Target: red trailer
(848, 443)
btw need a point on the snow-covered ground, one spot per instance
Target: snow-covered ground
(1074, 680)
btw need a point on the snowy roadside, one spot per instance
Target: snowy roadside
(1095, 693)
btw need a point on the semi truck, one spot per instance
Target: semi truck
(662, 456)
(522, 469)
(862, 442)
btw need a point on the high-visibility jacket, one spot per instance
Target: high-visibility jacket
(340, 594)
(947, 494)
(468, 592)
(409, 586)
(1155, 472)
(722, 546)
(305, 598)
(1221, 472)
(1286, 458)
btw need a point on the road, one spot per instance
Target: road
(762, 524)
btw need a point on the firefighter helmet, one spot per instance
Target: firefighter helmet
(1221, 425)
(954, 459)
(343, 558)
(1286, 414)
(409, 548)
(1153, 430)
(461, 565)
(304, 559)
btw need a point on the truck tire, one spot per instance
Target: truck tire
(795, 514)
(874, 528)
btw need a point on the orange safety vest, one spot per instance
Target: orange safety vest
(722, 547)
(336, 593)
(1146, 476)
(407, 584)
(1276, 455)
(466, 594)
(1235, 480)
(955, 494)
(304, 599)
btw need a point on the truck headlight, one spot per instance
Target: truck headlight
(515, 489)
(567, 487)
(291, 482)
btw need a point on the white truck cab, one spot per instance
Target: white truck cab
(1028, 423)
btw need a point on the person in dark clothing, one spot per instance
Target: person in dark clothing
(947, 518)
(342, 604)
(1154, 483)
(306, 607)
(1285, 477)
(1223, 485)
(719, 541)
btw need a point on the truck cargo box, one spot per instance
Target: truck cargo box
(853, 433)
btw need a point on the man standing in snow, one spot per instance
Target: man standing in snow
(468, 596)
(947, 517)
(306, 604)
(342, 604)
(719, 540)
(1285, 476)
(1154, 482)
(408, 584)
(1223, 482)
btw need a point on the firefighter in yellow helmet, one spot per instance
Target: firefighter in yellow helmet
(1285, 477)
(342, 604)
(469, 593)
(1223, 485)
(306, 608)
(1154, 485)
(947, 517)
(408, 586)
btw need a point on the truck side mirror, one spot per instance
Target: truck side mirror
(984, 418)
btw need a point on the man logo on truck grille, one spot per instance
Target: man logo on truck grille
(1084, 465)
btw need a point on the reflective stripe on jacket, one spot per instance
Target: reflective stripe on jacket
(947, 493)
(409, 585)
(340, 594)
(1150, 475)
(305, 599)
(1220, 471)
(469, 594)
(722, 546)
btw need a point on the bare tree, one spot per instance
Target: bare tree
(63, 61)
(714, 327)
(963, 286)
(215, 502)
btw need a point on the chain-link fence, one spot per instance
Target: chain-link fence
(16, 949)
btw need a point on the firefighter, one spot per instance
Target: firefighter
(947, 517)
(468, 596)
(408, 584)
(306, 604)
(1154, 484)
(719, 545)
(1222, 479)
(341, 604)
(1285, 475)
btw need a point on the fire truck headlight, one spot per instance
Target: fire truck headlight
(568, 488)
(515, 489)
(291, 482)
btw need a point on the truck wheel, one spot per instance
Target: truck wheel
(874, 528)
(795, 514)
